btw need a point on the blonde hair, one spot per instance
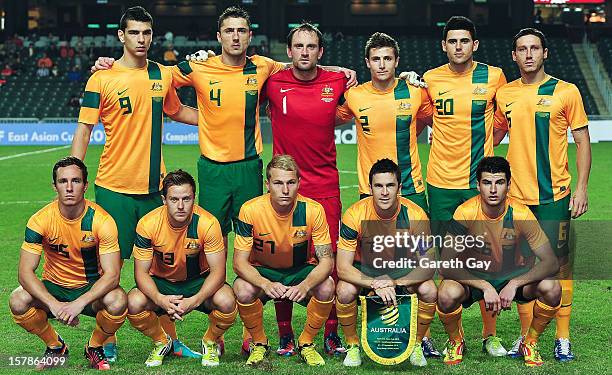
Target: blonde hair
(282, 162)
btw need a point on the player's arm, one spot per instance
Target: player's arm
(147, 286)
(28, 263)
(111, 266)
(419, 274)
(80, 141)
(186, 114)
(347, 271)
(500, 125)
(579, 203)
(343, 111)
(350, 74)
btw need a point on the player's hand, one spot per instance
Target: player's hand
(170, 304)
(506, 295)
(186, 305)
(351, 75)
(382, 282)
(200, 56)
(579, 203)
(387, 295)
(274, 290)
(296, 293)
(69, 312)
(413, 79)
(55, 310)
(492, 300)
(102, 63)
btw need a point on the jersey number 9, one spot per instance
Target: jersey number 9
(125, 104)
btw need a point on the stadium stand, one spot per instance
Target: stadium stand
(23, 94)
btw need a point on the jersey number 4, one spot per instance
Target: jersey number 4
(217, 97)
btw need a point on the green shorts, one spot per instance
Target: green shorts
(419, 198)
(64, 294)
(287, 276)
(224, 187)
(476, 294)
(554, 218)
(127, 209)
(186, 289)
(443, 203)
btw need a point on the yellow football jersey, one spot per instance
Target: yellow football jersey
(537, 117)
(362, 216)
(178, 254)
(228, 103)
(131, 105)
(501, 236)
(386, 128)
(462, 123)
(72, 248)
(276, 241)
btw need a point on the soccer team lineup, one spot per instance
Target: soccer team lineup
(385, 279)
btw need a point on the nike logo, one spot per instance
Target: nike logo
(509, 104)
(364, 109)
(213, 82)
(285, 90)
(264, 234)
(440, 93)
(121, 92)
(52, 239)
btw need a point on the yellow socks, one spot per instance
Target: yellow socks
(218, 323)
(347, 317)
(317, 313)
(542, 315)
(252, 318)
(148, 323)
(489, 322)
(35, 321)
(106, 326)
(565, 311)
(452, 323)
(425, 316)
(168, 325)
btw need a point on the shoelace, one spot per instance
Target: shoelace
(99, 354)
(517, 344)
(428, 345)
(564, 347)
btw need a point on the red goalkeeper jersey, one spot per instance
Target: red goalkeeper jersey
(303, 115)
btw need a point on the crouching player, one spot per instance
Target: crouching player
(502, 267)
(402, 214)
(180, 267)
(80, 273)
(273, 261)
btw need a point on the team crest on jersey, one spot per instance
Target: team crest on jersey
(545, 102)
(88, 238)
(327, 94)
(193, 245)
(251, 81)
(300, 234)
(404, 106)
(479, 90)
(508, 235)
(156, 86)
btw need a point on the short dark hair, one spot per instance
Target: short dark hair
(308, 27)
(136, 13)
(177, 178)
(459, 23)
(234, 12)
(529, 31)
(68, 161)
(386, 166)
(493, 164)
(379, 40)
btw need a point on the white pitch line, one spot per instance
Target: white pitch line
(22, 202)
(33, 152)
(348, 186)
(348, 172)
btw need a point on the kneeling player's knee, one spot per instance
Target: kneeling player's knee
(427, 291)
(449, 298)
(326, 290)
(245, 292)
(550, 292)
(20, 301)
(224, 300)
(136, 301)
(345, 292)
(115, 302)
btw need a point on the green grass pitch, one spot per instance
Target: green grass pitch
(26, 186)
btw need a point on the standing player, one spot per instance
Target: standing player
(537, 110)
(463, 94)
(302, 107)
(81, 269)
(400, 213)
(502, 223)
(180, 267)
(273, 261)
(130, 99)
